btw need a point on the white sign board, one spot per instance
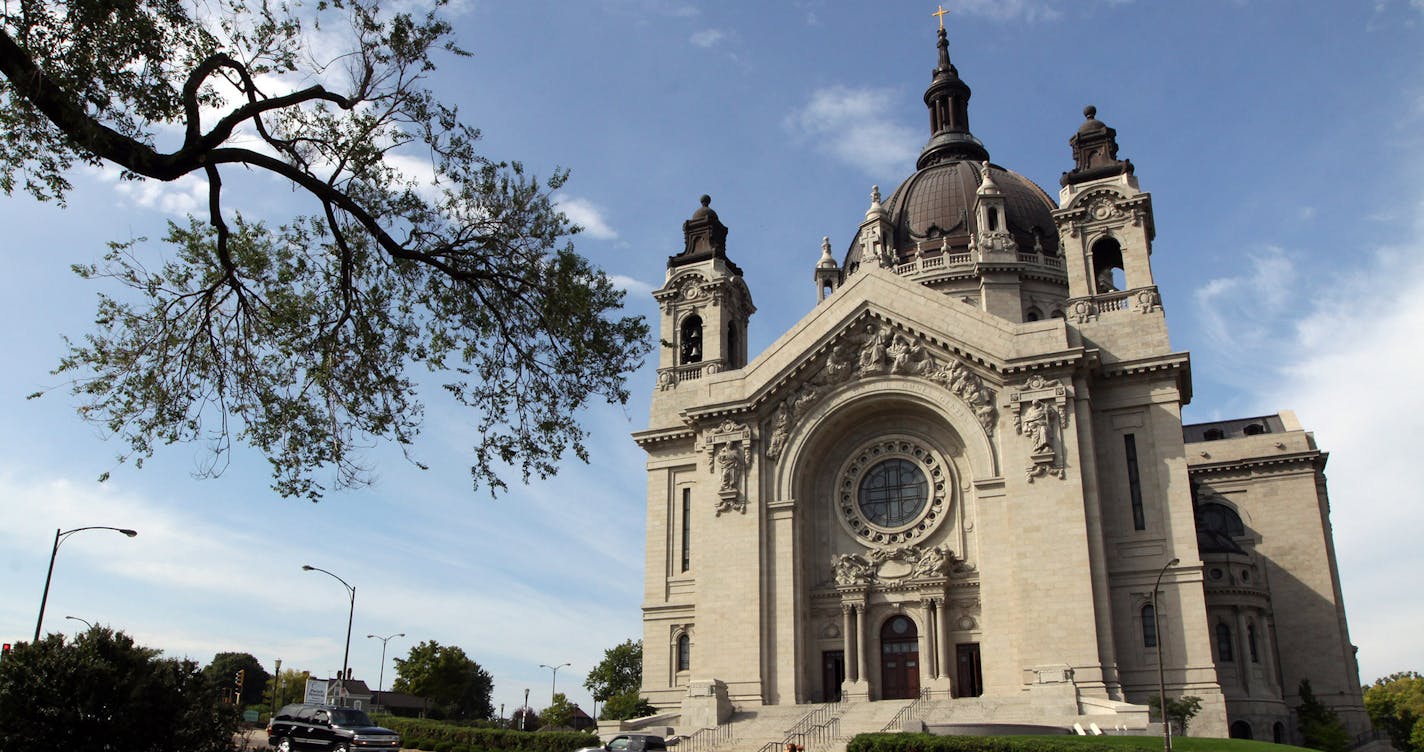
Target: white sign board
(316, 691)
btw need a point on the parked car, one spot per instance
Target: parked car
(327, 727)
(631, 743)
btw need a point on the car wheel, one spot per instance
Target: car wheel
(284, 744)
(341, 747)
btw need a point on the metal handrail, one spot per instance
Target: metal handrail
(913, 707)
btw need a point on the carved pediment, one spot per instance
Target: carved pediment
(870, 347)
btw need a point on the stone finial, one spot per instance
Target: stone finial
(827, 260)
(986, 182)
(876, 209)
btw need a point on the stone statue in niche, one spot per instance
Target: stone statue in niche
(1035, 426)
(728, 448)
(1040, 415)
(729, 461)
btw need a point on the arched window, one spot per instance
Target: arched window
(684, 653)
(993, 219)
(734, 358)
(690, 341)
(1107, 256)
(1213, 434)
(1219, 518)
(1033, 315)
(1149, 626)
(1224, 653)
(1278, 732)
(1251, 642)
(1240, 730)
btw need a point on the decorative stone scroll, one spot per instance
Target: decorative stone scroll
(1041, 414)
(729, 456)
(882, 566)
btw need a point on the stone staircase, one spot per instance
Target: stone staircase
(830, 727)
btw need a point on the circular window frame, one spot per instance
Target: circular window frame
(939, 476)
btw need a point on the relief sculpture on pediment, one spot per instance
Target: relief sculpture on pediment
(876, 348)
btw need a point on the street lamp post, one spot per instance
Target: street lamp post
(381, 685)
(85, 621)
(346, 656)
(59, 536)
(554, 682)
(1161, 681)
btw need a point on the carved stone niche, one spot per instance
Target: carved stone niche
(729, 456)
(1041, 414)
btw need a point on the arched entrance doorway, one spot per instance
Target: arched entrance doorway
(899, 659)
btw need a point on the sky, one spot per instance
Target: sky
(1282, 142)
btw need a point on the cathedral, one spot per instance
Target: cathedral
(961, 483)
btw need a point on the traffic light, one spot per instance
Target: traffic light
(5, 652)
(241, 674)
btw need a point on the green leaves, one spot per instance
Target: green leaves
(296, 336)
(1396, 706)
(455, 685)
(103, 691)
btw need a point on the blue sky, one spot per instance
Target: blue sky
(1281, 141)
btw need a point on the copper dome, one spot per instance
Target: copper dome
(935, 206)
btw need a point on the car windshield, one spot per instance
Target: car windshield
(343, 717)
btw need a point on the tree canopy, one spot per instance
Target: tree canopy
(103, 691)
(456, 686)
(1320, 727)
(1396, 706)
(300, 335)
(620, 671)
(617, 680)
(224, 667)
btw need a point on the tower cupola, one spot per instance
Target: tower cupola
(948, 100)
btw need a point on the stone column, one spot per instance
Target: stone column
(930, 660)
(860, 642)
(944, 659)
(1243, 650)
(847, 646)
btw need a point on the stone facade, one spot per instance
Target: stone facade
(962, 472)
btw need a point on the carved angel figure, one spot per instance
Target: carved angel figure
(780, 431)
(851, 569)
(931, 562)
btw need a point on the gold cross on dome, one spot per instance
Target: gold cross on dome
(941, 13)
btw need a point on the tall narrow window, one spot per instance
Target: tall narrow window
(1251, 643)
(684, 653)
(1134, 483)
(1149, 626)
(734, 357)
(993, 219)
(1224, 653)
(686, 529)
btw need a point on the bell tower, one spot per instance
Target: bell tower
(1106, 230)
(705, 305)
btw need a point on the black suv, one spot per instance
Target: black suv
(327, 727)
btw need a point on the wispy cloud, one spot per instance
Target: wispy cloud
(1342, 352)
(630, 285)
(1242, 313)
(707, 38)
(587, 215)
(1013, 10)
(854, 125)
